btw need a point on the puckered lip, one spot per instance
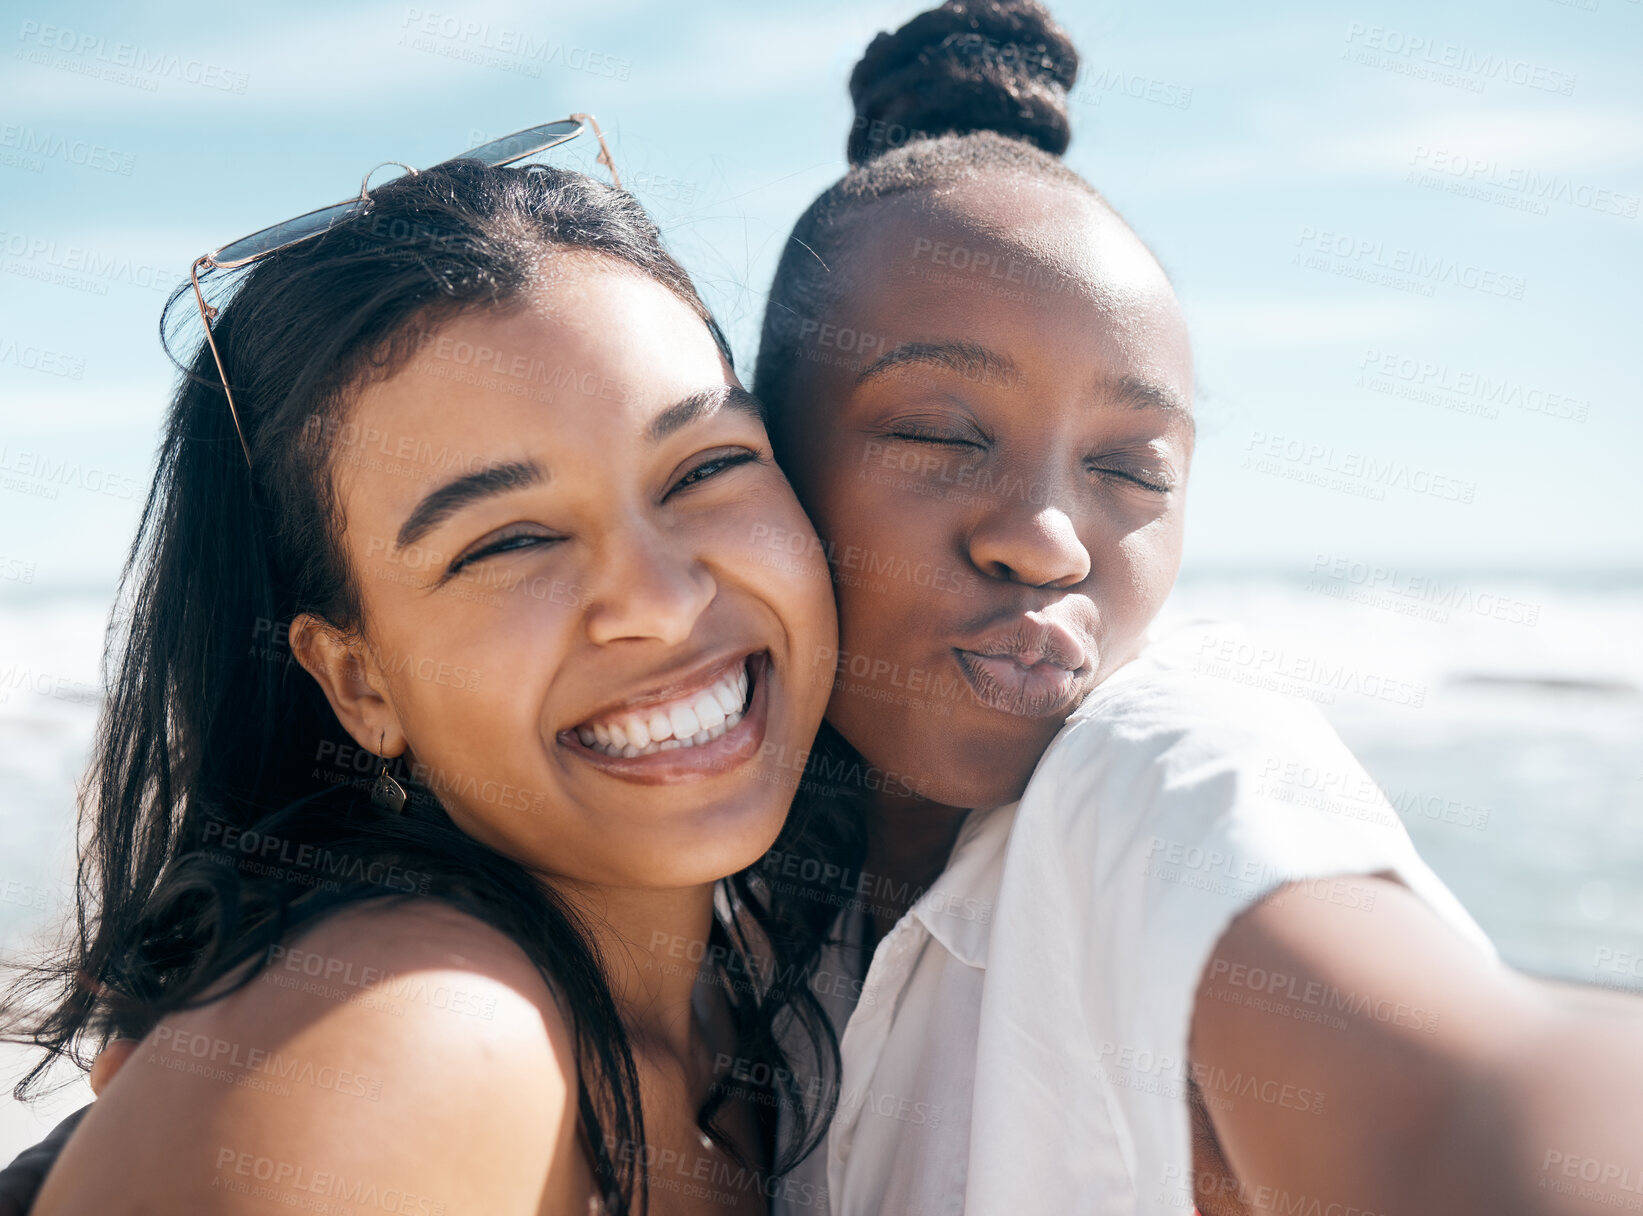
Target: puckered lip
(1030, 640)
(1027, 666)
(691, 676)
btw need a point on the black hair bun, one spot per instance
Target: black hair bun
(970, 65)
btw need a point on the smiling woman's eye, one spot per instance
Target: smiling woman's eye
(715, 464)
(508, 543)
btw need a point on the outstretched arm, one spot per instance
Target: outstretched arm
(1372, 1059)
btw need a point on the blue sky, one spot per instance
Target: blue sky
(1407, 237)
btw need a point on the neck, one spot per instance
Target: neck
(651, 946)
(909, 840)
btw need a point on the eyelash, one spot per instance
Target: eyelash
(943, 440)
(1156, 487)
(728, 460)
(507, 544)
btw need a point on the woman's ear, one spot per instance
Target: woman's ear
(352, 681)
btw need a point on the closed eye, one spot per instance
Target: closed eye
(715, 465)
(1156, 482)
(952, 441)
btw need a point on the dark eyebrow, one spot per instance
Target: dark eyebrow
(439, 505)
(700, 404)
(972, 361)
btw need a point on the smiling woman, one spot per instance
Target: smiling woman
(503, 497)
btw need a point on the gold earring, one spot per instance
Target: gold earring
(387, 793)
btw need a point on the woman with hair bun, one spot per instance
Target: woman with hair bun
(1100, 962)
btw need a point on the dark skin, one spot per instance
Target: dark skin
(927, 455)
(1014, 459)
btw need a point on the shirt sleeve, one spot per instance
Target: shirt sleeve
(1180, 800)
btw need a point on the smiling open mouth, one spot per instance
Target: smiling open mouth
(713, 726)
(688, 721)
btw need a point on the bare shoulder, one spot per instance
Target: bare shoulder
(402, 1048)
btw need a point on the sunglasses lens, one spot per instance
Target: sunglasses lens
(523, 143)
(288, 233)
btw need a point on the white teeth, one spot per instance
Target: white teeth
(684, 721)
(660, 727)
(690, 723)
(708, 711)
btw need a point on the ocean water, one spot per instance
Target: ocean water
(1501, 713)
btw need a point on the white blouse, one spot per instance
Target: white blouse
(1020, 1040)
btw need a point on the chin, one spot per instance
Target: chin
(725, 838)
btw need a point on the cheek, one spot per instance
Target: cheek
(1149, 559)
(768, 548)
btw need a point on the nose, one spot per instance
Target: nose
(1026, 543)
(648, 589)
